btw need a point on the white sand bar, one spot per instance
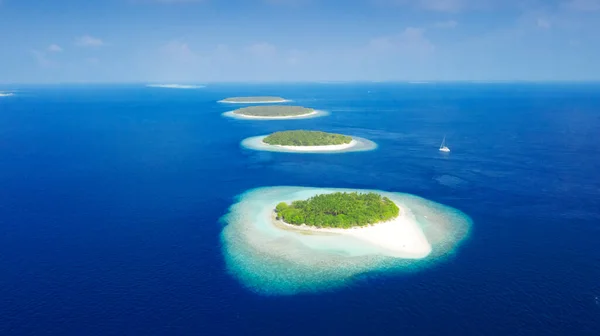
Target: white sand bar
(400, 237)
(278, 117)
(317, 148)
(356, 145)
(313, 114)
(6, 94)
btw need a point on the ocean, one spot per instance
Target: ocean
(112, 198)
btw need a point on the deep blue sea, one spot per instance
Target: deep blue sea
(111, 198)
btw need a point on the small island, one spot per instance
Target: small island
(306, 138)
(338, 210)
(288, 240)
(254, 100)
(303, 141)
(274, 111)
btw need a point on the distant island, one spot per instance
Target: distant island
(274, 111)
(338, 210)
(6, 94)
(254, 100)
(303, 141)
(306, 138)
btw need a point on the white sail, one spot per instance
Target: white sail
(443, 146)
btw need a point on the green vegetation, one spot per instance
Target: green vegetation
(306, 138)
(273, 111)
(338, 210)
(252, 99)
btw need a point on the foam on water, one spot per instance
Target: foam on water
(274, 261)
(319, 113)
(256, 143)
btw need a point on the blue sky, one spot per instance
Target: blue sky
(297, 40)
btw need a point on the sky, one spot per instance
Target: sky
(200, 41)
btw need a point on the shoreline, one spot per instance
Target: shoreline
(315, 148)
(270, 258)
(400, 236)
(313, 114)
(356, 145)
(277, 117)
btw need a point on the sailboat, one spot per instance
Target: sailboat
(443, 147)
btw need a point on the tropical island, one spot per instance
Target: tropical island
(274, 111)
(303, 141)
(287, 240)
(254, 100)
(338, 210)
(306, 138)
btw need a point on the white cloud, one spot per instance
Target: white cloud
(89, 41)
(295, 57)
(433, 5)
(411, 41)
(179, 51)
(54, 48)
(446, 24)
(42, 60)
(443, 5)
(262, 50)
(583, 5)
(543, 23)
(455, 6)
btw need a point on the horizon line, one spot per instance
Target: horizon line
(303, 82)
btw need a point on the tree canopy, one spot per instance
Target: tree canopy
(253, 99)
(273, 111)
(338, 210)
(306, 138)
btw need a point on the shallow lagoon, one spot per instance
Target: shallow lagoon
(274, 261)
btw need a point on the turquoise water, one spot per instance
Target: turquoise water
(273, 261)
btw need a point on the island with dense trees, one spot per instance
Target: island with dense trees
(276, 248)
(250, 100)
(274, 111)
(306, 138)
(338, 210)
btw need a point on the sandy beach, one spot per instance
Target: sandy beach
(279, 117)
(273, 257)
(316, 148)
(356, 145)
(400, 237)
